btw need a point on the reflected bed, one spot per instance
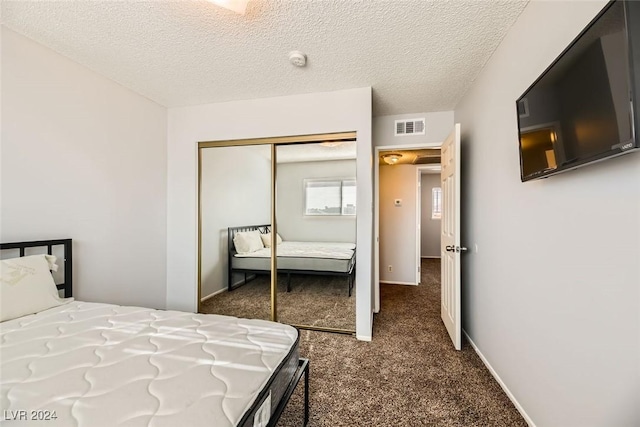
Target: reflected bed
(322, 258)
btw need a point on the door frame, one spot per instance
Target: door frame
(376, 210)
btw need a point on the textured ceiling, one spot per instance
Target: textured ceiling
(417, 55)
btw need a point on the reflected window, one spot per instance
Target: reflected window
(330, 196)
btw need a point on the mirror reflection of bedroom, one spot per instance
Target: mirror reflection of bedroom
(316, 217)
(315, 234)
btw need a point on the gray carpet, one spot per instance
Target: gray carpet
(409, 375)
(314, 300)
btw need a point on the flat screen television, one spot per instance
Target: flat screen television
(581, 109)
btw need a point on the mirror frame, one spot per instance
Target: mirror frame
(274, 142)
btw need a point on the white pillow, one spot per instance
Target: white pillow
(266, 239)
(27, 287)
(247, 241)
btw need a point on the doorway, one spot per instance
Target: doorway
(450, 242)
(429, 215)
(397, 212)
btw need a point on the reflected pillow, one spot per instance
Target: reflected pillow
(27, 287)
(247, 242)
(266, 239)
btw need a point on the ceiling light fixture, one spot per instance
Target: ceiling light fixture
(391, 158)
(237, 6)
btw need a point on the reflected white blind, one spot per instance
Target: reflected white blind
(330, 197)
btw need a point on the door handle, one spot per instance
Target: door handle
(450, 248)
(461, 249)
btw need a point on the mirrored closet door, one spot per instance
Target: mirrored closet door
(285, 205)
(316, 218)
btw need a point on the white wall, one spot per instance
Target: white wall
(429, 228)
(437, 126)
(552, 297)
(84, 158)
(292, 223)
(398, 224)
(348, 110)
(236, 191)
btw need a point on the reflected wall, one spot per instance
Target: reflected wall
(235, 191)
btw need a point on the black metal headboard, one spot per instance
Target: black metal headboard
(49, 244)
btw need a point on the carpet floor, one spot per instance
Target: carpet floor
(314, 300)
(409, 375)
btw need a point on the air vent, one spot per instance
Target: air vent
(410, 127)
(427, 160)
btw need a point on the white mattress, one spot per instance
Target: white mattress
(324, 250)
(291, 263)
(105, 365)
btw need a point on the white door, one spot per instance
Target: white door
(450, 237)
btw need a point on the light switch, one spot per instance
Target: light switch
(397, 202)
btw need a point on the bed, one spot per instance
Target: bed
(91, 364)
(323, 258)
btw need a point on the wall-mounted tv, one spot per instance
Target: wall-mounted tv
(581, 109)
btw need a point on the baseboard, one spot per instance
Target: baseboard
(219, 291)
(388, 282)
(431, 257)
(510, 395)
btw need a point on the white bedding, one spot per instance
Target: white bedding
(105, 365)
(326, 250)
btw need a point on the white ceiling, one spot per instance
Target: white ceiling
(417, 55)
